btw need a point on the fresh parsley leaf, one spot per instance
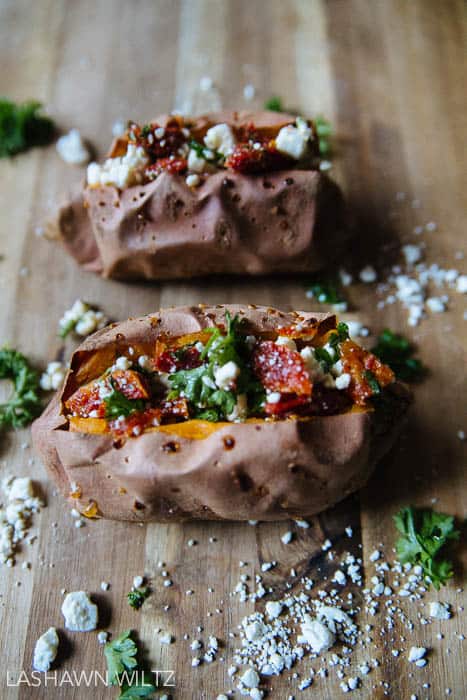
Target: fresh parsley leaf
(424, 534)
(326, 290)
(22, 127)
(145, 689)
(24, 404)
(396, 351)
(324, 357)
(372, 382)
(324, 132)
(198, 386)
(137, 596)
(117, 404)
(274, 104)
(120, 655)
(341, 334)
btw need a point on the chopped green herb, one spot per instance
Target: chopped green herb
(123, 668)
(274, 104)
(424, 534)
(24, 404)
(117, 404)
(198, 385)
(324, 131)
(22, 127)
(325, 359)
(372, 382)
(137, 596)
(145, 130)
(396, 351)
(201, 151)
(326, 291)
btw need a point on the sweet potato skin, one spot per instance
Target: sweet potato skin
(256, 470)
(290, 221)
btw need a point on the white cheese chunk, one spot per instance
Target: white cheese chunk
(226, 375)
(45, 650)
(240, 411)
(250, 678)
(292, 142)
(439, 611)
(287, 342)
(80, 612)
(220, 138)
(123, 363)
(317, 635)
(53, 376)
(121, 171)
(273, 609)
(343, 381)
(71, 148)
(196, 163)
(416, 653)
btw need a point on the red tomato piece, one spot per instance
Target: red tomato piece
(287, 404)
(164, 145)
(357, 361)
(175, 360)
(249, 160)
(86, 400)
(136, 423)
(174, 166)
(281, 369)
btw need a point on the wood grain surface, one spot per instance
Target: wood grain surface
(390, 75)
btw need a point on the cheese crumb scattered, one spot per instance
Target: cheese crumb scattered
(80, 612)
(71, 148)
(45, 650)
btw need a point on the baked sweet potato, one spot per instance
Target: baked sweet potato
(155, 211)
(225, 412)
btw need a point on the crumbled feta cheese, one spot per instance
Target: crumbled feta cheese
(145, 363)
(412, 254)
(273, 609)
(138, 581)
(343, 381)
(83, 319)
(71, 148)
(315, 368)
(45, 650)
(339, 577)
(80, 612)
(123, 363)
(288, 342)
(166, 638)
(439, 611)
(273, 397)
(118, 128)
(206, 83)
(436, 305)
(53, 377)
(220, 138)
(302, 523)
(240, 411)
(461, 284)
(196, 163)
(287, 537)
(121, 172)
(250, 678)
(292, 142)
(375, 555)
(317, 635)
(105, 586)
(327, 544)
(416, 653)
(249, 92)
(226, 375)
(192, 180)
(102, 637)
(368, 274)
(15, 515)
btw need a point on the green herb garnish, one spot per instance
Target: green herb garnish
(122, 666)
(22, 127)
(198, 385)
(24, 404)
(424, 533)
(201, 151)
(326, 291)
(372, 382)
(324, 132)
(274, 104)
(137, 596)
(396, 351)
(117, 404)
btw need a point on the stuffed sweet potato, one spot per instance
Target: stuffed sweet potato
(232, 192)
(223, 412)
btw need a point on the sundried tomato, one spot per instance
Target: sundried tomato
(174, 360)
(249, 160)
(281, 369)
(361, 365)
(166, 145)
(288, 403)
(174, 166)
(86, 400)
(134, 424)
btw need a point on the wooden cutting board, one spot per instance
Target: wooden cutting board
(390, 75)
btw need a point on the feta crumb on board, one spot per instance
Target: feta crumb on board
(45, 650)
(416, 654)
(439, 611)
(80, 612)
(83, 318)
(19, 504)
(72, 149)
(317, 635)
(53, 377)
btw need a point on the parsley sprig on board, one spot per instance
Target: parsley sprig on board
(424, 534)
(124, 670)
(326, 290)
(22, 127)
(274, 104)
(397, 352)
(209, 402)
(137, 596)
(24, 403)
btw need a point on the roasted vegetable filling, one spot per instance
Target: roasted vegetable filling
(225, 374)
(182, 148)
